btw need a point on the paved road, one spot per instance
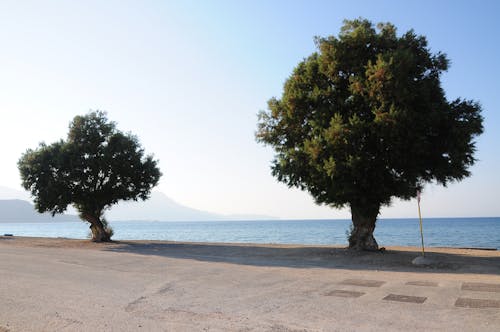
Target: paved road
(232, 288)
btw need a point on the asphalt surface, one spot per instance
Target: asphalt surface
(63, 285)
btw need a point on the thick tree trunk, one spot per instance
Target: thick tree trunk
(99, 233)
(363, 221)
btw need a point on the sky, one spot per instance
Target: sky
(189, 77)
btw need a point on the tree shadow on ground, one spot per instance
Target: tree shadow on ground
(316, 257)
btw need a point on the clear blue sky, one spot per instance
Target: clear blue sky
(188, 77)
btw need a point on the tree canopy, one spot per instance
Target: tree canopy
(365, 119)
(94, 168)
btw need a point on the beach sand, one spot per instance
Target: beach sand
(76, 285)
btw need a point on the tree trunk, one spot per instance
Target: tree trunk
(99, 233)
(363, 221)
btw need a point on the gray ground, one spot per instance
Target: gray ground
(72, 285)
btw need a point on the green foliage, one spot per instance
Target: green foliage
(365, 119)
(94, 168)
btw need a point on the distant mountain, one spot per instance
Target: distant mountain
(162, 208)
(249, 217)
(159, 207)
(16, 210)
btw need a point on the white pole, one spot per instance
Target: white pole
(421, 228)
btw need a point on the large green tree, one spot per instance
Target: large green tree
(364, 120)
(94, 168)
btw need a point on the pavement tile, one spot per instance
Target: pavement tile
(363, 282)
(344, 293)
(405, 298)
(476, 303)
(481, 287)
(422, 283)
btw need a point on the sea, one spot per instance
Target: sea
(438, 232)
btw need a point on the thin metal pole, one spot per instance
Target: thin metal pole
(421, 228)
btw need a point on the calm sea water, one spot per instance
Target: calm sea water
(453, 232)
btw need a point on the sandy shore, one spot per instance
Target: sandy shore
(76, 285)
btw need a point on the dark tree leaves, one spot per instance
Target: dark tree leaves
(365, 119)
(94, 168)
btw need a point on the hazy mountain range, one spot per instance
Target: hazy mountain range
(16, 210)
(16, 206)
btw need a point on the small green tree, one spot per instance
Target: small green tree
(94, 168)
(365, 119)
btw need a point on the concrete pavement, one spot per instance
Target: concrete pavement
(64, 285)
